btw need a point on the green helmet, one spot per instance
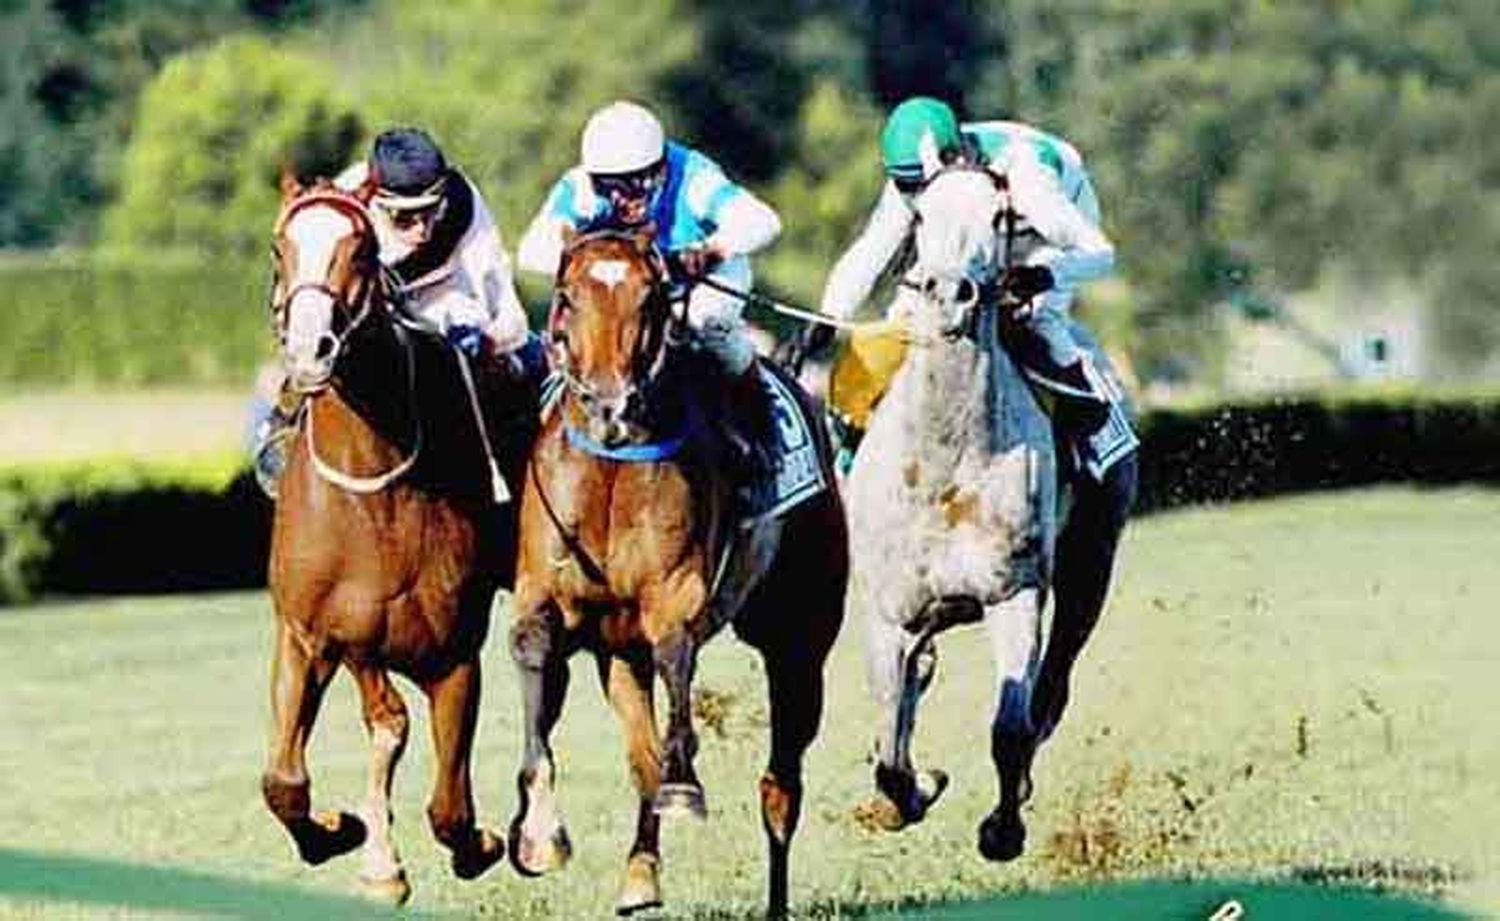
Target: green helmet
(901, 138)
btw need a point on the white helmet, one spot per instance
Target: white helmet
(622, 137)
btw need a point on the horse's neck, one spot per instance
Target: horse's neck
(965, 397)
(373, 401)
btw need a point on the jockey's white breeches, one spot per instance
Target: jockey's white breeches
(718, 318)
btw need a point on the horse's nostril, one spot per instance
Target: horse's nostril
(327, 343)
(968, 292)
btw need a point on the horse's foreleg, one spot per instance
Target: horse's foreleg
(538, 838)
(679, 793)
(899, 667)
(297, 684)
(1014, 628)
(387, 722)
(1085, 559)
(628, 684)
(455, 710)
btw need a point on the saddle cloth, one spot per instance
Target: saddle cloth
(795, 473)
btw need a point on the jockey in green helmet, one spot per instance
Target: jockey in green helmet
(1058, 245)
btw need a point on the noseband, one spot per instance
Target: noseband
(365, 258)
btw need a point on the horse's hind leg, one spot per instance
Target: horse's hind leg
(1085, 559)
(538, 838)
(628, 684)
(387, 723)
(297, 684)
(1014, 628)
(899, 667)
(795, 683)
(455, 711)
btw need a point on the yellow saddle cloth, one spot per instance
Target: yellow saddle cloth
(863, 369)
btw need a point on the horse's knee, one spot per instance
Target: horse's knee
(289, 799)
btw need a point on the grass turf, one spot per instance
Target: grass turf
(1291, 689)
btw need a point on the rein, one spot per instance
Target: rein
(365, 485)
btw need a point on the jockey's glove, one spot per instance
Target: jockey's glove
(697, 261)
(467, 339)
(1024, 282)
(817, 338)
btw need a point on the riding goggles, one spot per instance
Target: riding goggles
(633, 186)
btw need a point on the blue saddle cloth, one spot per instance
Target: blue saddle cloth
(796, 473)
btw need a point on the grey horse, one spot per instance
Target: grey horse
(953, 506)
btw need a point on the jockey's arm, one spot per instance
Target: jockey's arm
(497, 311)
(1077, 250)
(541, 246)
(745, 224)
(856, 272)
(741, 222)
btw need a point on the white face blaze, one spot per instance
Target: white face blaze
(315, 232)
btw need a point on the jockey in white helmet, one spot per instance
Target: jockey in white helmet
(631, 175)
(1059, 246)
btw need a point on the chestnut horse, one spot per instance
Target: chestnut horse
(387, 545)
(636, 556)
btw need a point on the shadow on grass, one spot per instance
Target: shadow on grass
(1164, 901)
(61, 878)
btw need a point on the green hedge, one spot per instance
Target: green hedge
(122, 527)
(73, 319)
(1286, 445)
(130, 528)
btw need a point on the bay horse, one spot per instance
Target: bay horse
(387, 544)
(953, 505)
(629, 548)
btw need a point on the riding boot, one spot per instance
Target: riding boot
(273, 441)
(747, 425)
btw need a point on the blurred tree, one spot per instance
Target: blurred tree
(214, 130)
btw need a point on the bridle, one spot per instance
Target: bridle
(374, 278)
(367, 264)
(974, 295)
(661, 330)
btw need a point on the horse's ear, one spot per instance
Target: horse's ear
(366, 190)
(288, 183)
(932, 157)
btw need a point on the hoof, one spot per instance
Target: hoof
(535, 858)
(327, 835)
(642, 889)
(675, 800)
(485, 853)
(1002, 837)
(904, 799)
(393, 891)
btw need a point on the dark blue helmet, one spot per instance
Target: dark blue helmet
(408, 168)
